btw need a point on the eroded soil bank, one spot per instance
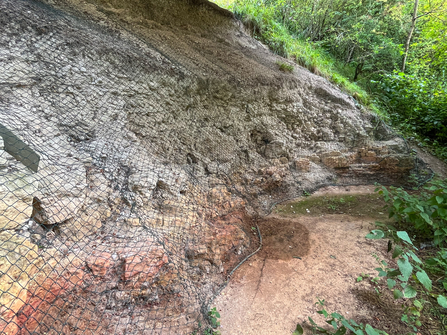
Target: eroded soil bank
(311, 255)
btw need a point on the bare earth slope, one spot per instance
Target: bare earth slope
(160, 126)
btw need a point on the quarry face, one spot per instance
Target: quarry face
(162, 129)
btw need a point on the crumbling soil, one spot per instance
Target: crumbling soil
(309, 256)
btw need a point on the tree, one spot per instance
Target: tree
(410, 33)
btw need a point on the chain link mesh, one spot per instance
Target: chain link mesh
(100, 232)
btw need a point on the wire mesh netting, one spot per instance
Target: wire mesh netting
(109, 221)
(98, 233)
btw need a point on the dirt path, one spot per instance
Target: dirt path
(274, 291)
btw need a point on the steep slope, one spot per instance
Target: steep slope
(160, 125)
(233, 110)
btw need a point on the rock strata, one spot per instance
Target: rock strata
(159, 126)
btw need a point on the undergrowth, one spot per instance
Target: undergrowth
(420, 283)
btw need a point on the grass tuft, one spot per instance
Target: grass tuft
(285, 67)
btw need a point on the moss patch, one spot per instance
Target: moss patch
(366, 205)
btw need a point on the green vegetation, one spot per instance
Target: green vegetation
(425, 215)
(426, 212)
(340, 325)
(285, 67)
(214, 317)
(214, 323)
(390, 55)
(419, 105)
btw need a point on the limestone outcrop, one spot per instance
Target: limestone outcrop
(160, 126)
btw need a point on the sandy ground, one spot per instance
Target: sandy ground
(273, 291)
(270, 294)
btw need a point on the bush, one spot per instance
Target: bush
(427, 212)
(417, 104)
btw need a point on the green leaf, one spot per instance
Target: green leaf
(347, 325)
(403, 235)
(336, 316)
(423, 278)
(426, 218)
(405, 268)
(397, 294)
(409, 292)
(333, 324)
(417, 303)
(375, 234)
(298, 330)
(415, 258)
(359, 332)
(382, 273)
(397, 251)
(438, 232)
(442, 301)
(340, 331)
(390, 245)
(439, 199)
(391, 283)
(354, 323)
(442, 212)
(370, 330)
(393, 273)
(312, 322)
(324, 312)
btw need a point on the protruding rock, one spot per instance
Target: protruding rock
(302, 164)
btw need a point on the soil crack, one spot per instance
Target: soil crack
(259, 281)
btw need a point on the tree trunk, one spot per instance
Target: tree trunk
(358, 70)
(410, 33)
(351, 52)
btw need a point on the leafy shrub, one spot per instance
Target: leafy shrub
(409, 268)
(417, 104)
(214, 317)
(340, 325)
(427, 212)
(438, 265)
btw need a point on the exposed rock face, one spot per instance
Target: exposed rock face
(158, 124)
